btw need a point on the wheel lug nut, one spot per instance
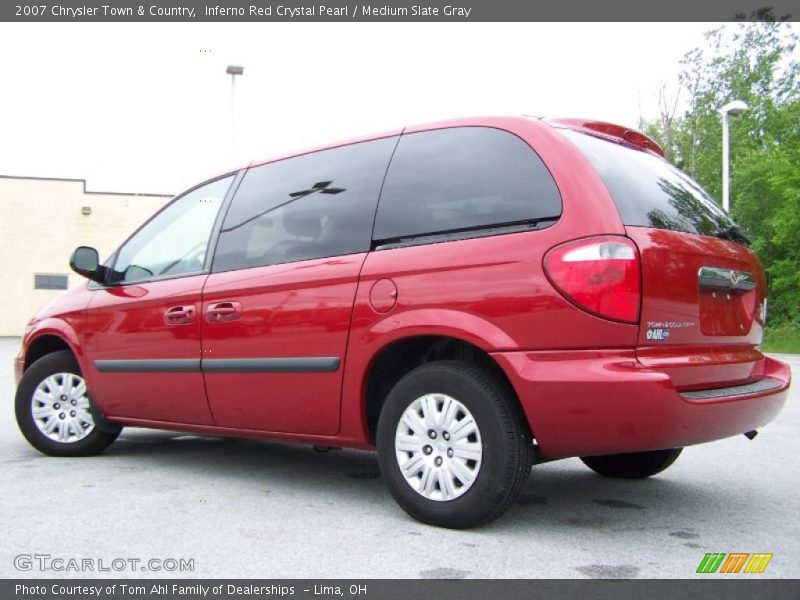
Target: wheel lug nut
(72, 413)
(432, 434)
(427, 450)
(438, 462)
(74, 403)
(446, 435)
(63, 398)
(449, 453)
(56, 406)
(62, 416)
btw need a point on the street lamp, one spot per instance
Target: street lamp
(233, 71)
(731, 109)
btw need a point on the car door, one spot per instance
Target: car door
(143, 327)
(277, 305)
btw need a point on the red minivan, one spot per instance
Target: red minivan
(467, 297)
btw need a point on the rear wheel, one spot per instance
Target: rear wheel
(637, 465)
(54, 410)
(453, 445)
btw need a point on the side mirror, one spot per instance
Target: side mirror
(85, 261)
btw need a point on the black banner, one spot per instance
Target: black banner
(422, 11)
(379, 589)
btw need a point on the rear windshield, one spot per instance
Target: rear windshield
(648, 191)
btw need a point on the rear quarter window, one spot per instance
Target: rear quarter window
(648, 191)
(463, 178)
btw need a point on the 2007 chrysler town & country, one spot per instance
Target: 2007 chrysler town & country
(463, 296)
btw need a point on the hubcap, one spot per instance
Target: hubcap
(438, 447)
(50, 418)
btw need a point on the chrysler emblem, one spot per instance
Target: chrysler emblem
(728, 279)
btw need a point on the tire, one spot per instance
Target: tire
(52, 381)
(637, 465)
(494, 460)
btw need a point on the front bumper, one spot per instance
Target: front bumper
(581, 403)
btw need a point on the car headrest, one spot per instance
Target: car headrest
(298, 221)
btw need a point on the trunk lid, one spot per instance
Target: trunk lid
(703, 297)
(697, 289)
(703, 301)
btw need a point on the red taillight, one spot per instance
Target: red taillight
(600, 275)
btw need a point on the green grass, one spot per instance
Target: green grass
(782, 338)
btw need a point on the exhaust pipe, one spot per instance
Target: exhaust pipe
(750, 434)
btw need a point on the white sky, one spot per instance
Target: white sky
(147, 107)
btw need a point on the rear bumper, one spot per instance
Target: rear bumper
(581, 403)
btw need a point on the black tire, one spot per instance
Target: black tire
(507, 447)
(637, 465)
(100, 437)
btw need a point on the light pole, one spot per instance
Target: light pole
(233, 71)
(731, 109)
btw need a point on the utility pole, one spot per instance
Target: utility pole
(233, 71)
(731, 109)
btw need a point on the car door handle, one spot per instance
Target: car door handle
(180, 315)
(221, 312)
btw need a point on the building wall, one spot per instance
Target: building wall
(42, 224)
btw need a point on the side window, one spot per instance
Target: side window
(311, 206)
(463, 178)
(175, 241)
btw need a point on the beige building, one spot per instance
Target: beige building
(43, 221)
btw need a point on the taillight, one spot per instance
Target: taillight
(600, 275)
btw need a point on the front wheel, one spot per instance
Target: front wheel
(453, 445)
(54, 410)
(637, 465)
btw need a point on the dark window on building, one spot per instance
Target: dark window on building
(50, 282)
(650, 192)
(311, 206)
(463, 178)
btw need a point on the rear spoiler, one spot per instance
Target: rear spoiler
(614, 133)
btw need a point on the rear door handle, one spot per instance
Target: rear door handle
(180, 315)
(221, 312)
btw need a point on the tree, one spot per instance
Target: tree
(663, 129)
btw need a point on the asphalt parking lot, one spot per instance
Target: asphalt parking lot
(253, 509)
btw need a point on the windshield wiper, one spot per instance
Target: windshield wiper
(734, 233)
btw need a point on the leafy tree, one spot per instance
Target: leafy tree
(754, 62)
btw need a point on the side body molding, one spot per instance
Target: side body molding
(309, 364)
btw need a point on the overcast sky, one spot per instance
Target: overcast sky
(147, 107)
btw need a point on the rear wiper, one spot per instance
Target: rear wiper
(734, 233)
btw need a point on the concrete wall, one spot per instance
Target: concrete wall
(42, 224)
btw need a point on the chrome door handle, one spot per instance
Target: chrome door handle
(180, 315)
(222, 312)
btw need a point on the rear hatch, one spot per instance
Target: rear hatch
(703, 289)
